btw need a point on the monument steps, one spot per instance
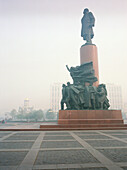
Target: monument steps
(90, 121)
(69, 129)
(84, 128)
(82, 125)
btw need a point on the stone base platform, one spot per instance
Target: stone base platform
(90, 114)
(88, 120)
(90, 117)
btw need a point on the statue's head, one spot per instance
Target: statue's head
(63, 85)
(68, 83)
(102, 86)
(85, 11)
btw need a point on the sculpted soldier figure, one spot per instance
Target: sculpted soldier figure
(88, 22)
(102, 101)
(92, 92)
(73, 97)
(63, 96)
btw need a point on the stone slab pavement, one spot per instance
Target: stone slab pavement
(63, 150)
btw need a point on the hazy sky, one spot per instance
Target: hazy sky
(39, 37)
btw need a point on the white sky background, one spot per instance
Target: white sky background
(39, 37)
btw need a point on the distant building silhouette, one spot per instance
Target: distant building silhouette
(115, 96)
(26, 108)
(55, 96)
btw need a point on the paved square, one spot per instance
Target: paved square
(67, 150)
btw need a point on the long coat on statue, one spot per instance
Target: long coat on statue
(88, 22)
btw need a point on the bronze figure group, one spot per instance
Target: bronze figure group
(79, 97)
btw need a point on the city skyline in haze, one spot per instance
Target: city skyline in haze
(40, 37)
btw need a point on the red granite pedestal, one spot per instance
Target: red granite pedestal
(90, 117)
(88, 120)
(88, 53)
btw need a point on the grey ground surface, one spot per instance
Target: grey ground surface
(63, 150)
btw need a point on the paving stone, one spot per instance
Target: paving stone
(97, 168)
(16, 145)
(8, 167)
(22, 138)
(64, 169)
(64, 157)
(71, 169)
(60, 144)
(3, 134)
(120, 136)
(57, 137)
(116, 155)
(11, 158)
(105, 143)
(115, 132)
(57, 133)
(83, 133)
(124, 168)
(94, 137)
(27, 133)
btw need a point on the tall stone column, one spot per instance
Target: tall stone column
(88, 53)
